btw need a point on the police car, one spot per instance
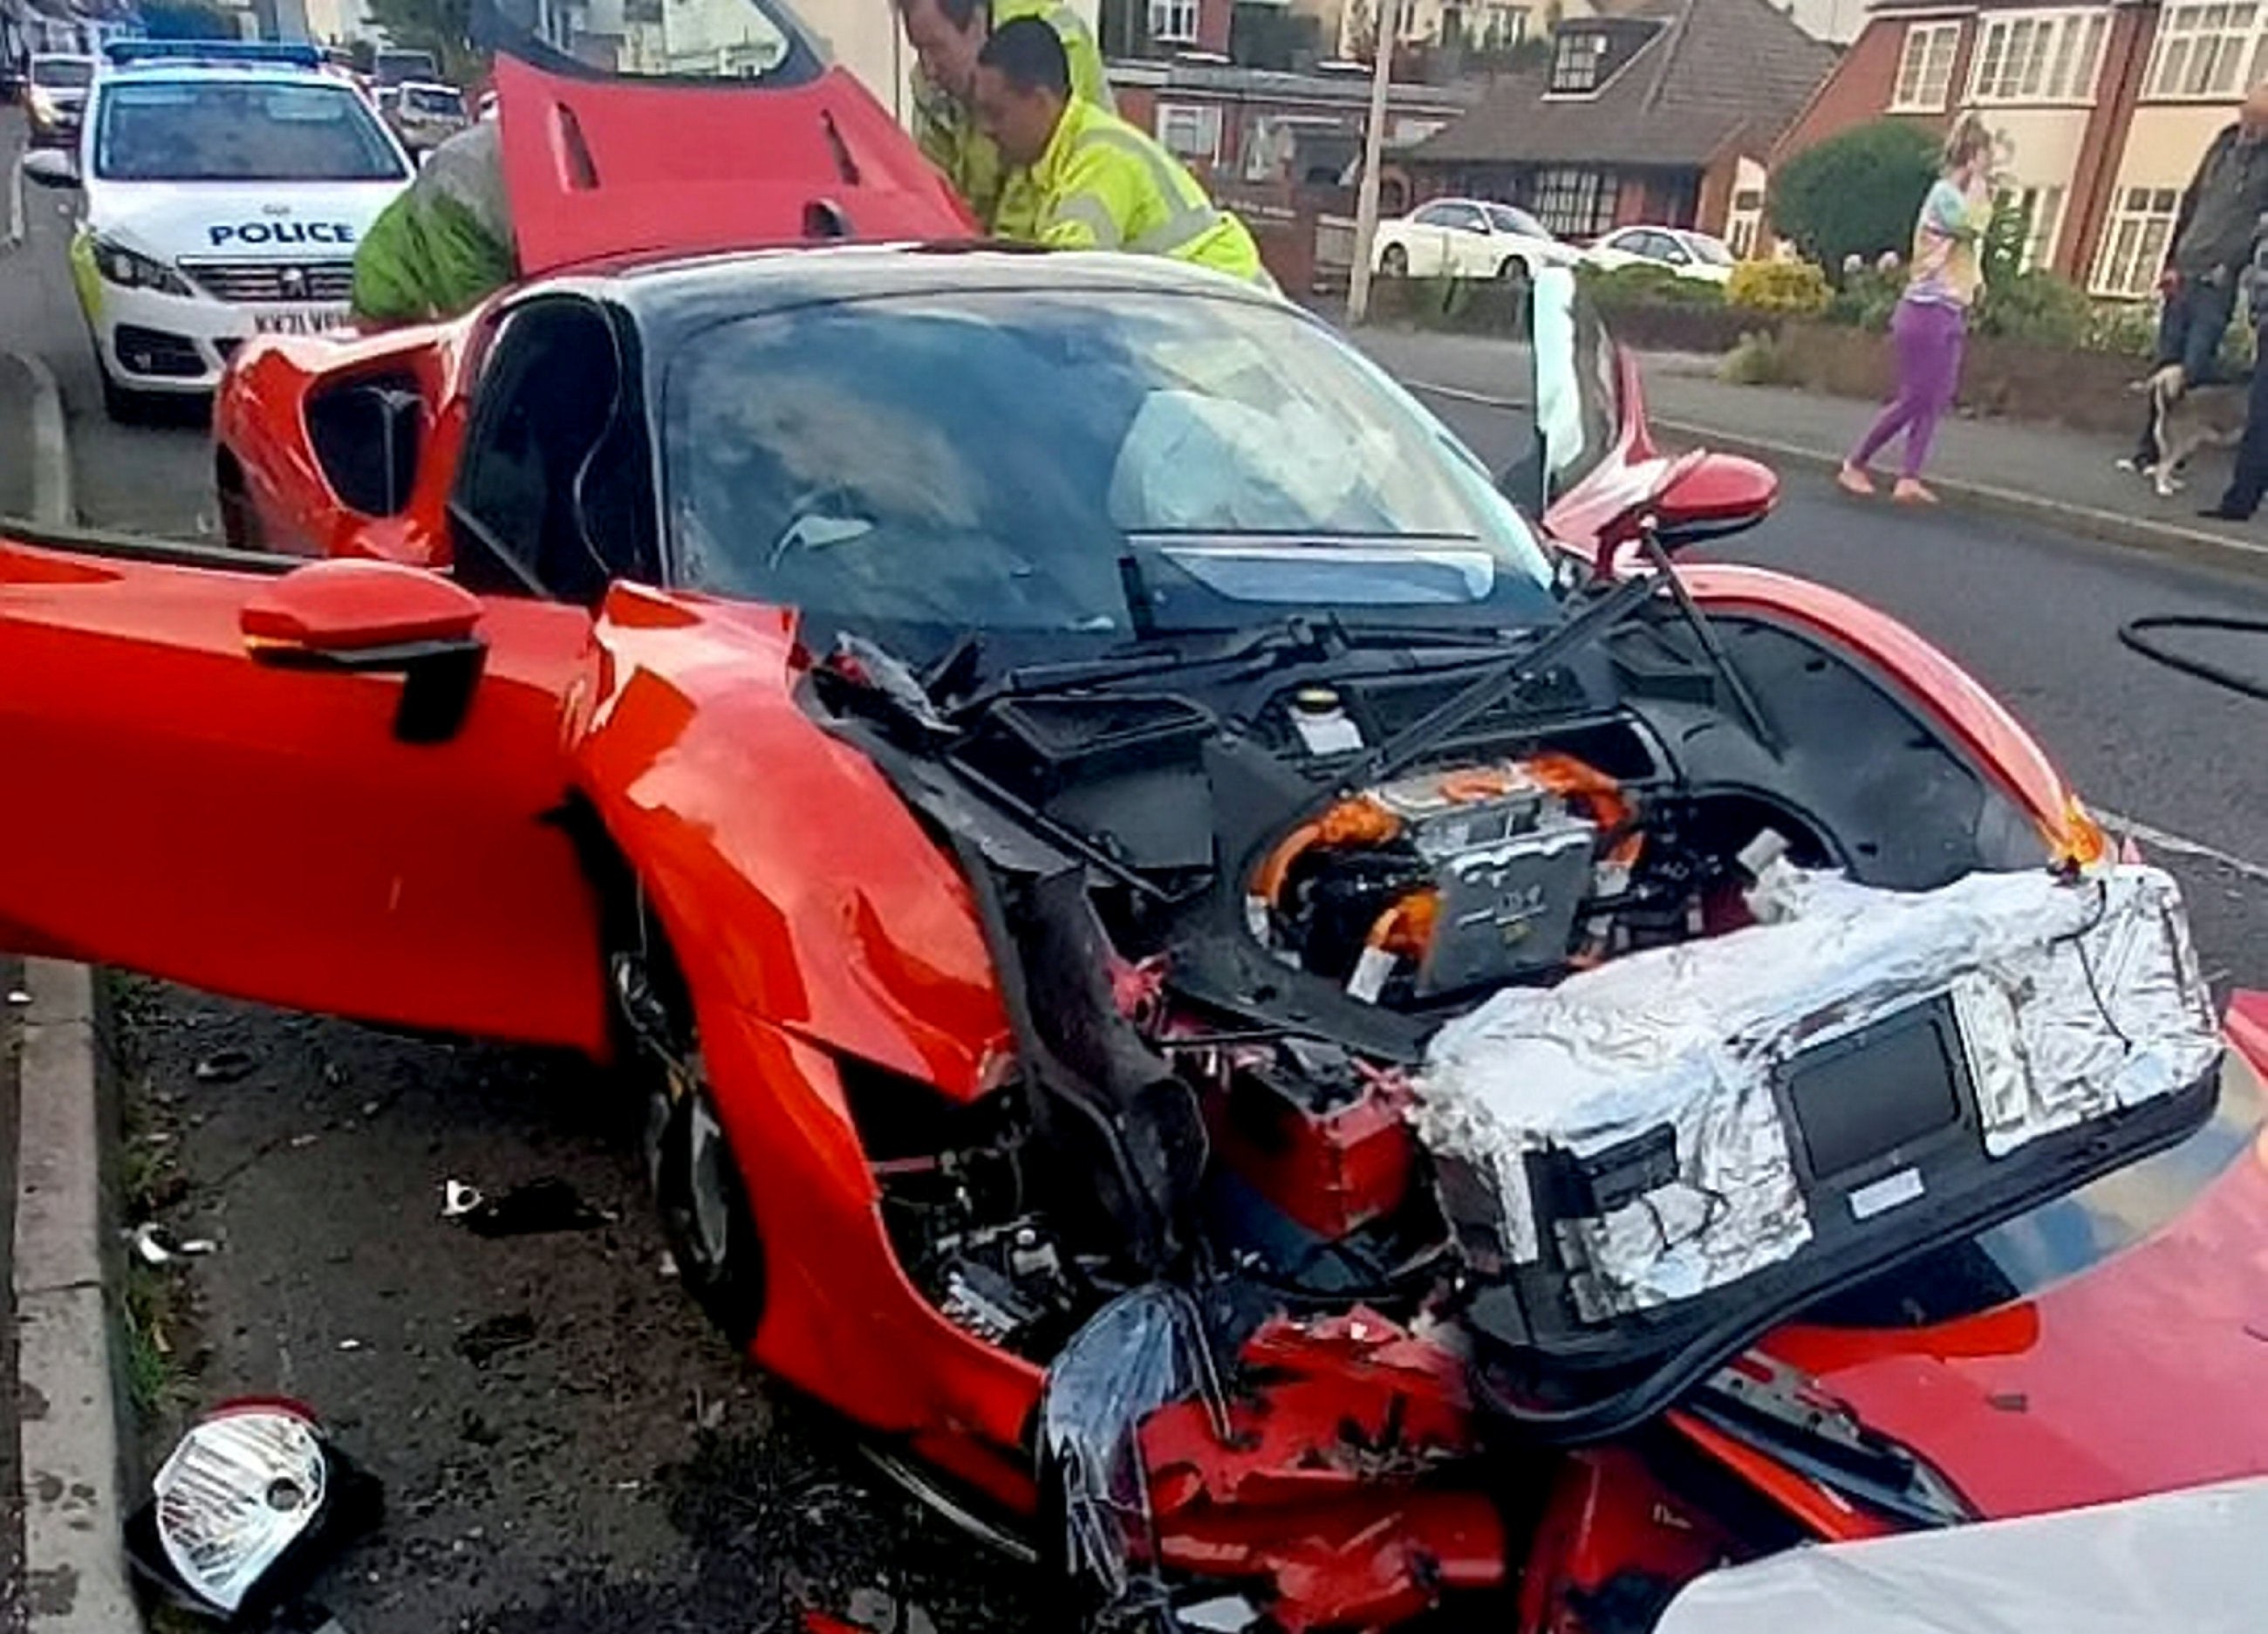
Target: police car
(225, 186)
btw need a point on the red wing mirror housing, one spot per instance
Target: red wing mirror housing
(376, 618)
(1702, 496)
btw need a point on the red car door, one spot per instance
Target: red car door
(335, 788)
(712, 126)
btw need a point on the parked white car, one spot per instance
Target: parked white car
(1679, 250)
(1467, 238)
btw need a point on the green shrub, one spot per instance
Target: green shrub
(1796, 288)
(1482, 305)
(2039, 308)
(1868, 298)
(1855, 194)
(2129, 328)
(1645, 284)
(1757, 360)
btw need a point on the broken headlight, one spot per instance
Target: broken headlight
(244, 1507)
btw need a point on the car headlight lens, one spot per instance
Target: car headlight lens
(131, 269)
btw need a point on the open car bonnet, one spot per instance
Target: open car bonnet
(712, 125)
(2183, 1560)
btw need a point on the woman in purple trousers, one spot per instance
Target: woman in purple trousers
(1932, 320)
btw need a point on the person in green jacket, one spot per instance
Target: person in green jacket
(947, 36)
(1084, 178)
(445, 243)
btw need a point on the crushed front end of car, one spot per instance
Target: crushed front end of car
(1432, 1069)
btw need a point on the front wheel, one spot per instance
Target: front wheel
(698, 1189)
(1512, 270)
(122, 404)
(1393, 261)
(703, 1202)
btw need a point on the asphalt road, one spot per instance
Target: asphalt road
(154, 480)
(566, 1446)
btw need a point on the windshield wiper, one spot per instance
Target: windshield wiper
(1397, 753)
(1763, 1403)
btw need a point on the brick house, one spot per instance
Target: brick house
(1661, 111)
(2102, 110)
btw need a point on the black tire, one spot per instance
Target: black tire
(1393, 261)
(123, 405)
(704, 1204)
(1513, 270)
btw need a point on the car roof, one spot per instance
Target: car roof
(669, 298)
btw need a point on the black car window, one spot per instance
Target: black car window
(554, 495)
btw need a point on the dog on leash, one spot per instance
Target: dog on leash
(2185, 418)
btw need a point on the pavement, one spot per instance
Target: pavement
(566, 1446)
(2064, 480)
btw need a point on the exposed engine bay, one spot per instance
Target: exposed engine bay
(1555, 1009)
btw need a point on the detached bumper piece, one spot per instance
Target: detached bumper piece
(1658, 1159)
(1325, 1499)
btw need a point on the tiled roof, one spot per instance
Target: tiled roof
(1715, 70)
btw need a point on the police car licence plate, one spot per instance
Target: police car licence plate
(300, 321)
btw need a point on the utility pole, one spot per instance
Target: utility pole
(1373, 150)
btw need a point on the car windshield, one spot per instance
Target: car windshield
(1506, 219)
(1708, 249)
(1007, 460)
(62, 73)
(202, 130)
(395, 66)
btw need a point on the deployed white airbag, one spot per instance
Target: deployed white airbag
(2074, 998)
(2176, 1561)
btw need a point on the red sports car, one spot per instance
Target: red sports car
(1327, 1025)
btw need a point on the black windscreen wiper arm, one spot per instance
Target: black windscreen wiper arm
(1396, 753)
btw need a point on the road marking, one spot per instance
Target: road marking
(2180, 845)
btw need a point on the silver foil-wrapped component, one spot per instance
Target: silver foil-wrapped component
(2074, 998)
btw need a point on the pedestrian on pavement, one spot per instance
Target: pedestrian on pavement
(445, 243)
(2250, 480)
(2211, 241)
(947, 36)
(1084, 179)
(1929, 326)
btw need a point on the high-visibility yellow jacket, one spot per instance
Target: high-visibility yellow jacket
(946, 128)
(1102, 185)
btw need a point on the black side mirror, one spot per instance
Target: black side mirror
(51, 167)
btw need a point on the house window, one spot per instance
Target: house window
(1503, 27)
(2047, 56)
(2134, 244)
(2043, 209)
(1575, 64)
(2201, 51)
(1925, 67)
(1191, 129)
(1744, 222)
(1174, 21)
(1575, 203)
